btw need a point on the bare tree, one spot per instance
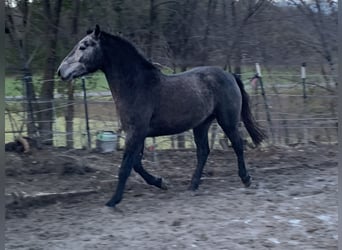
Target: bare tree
(323, 17)
(241, 14)
(179, 33)
(18, 24)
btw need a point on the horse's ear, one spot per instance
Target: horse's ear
(97, 31)
(89, 31)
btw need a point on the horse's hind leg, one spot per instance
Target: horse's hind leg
(230, 128)
(150, 179)
(202, 148)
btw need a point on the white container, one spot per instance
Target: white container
(106, 141)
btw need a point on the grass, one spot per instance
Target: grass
(13, 86)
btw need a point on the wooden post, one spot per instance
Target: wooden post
(255, 86)
(268, 114)
(69, 116)
(155, 160)
(86, 112)
(303, 76)
(172, 138)
(213, 135)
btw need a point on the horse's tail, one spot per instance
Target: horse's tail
(256, 133)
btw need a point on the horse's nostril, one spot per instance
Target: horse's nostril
(58, 72)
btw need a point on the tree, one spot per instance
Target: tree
(69, 114)
(322, 15)
(18, 25)
(241, 14)
(52, 20)
(178, 31)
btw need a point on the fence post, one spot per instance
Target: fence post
(303, 76)
(69, 115)
(154, 150)
(86, 111)
(268, 115)
(54, 120)
(213, 135)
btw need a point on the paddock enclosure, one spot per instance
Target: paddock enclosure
(64, 141)
(55, 196)
(55, 200)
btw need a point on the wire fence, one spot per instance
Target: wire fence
(288, 115)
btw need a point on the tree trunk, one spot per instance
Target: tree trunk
(47, 90)
(69, 114)
(181, 140)
(150, 36)
(237, 50)
(117, 7)
(32, 130)
(210, 10)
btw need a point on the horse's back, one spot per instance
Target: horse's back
(224, 91)
(187, 99)
(221, 84)
(212, 76)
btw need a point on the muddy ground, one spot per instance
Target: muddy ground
(55, 200)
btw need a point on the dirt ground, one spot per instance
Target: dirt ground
(55, 200)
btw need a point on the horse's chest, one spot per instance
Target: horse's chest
(134, 115)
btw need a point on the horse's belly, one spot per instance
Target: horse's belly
(183, 104)
(177, 122)
(153, 132)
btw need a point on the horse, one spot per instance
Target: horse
(151, 104)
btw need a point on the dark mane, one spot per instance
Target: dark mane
(125, 49)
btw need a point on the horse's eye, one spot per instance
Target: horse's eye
(82, 47)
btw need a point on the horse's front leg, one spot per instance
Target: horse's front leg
(133, 146)
(150, 179)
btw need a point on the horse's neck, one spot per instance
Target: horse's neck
(126, 70)
(125, 84)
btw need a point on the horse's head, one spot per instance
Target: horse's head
(85, 58)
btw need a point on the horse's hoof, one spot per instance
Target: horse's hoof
(111, 203)
(247, 181)
(163, 185)
(112, 210)
(194, 184)
(193, 187)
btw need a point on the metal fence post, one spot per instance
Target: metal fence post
(263, 93)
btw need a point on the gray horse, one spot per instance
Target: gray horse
(151, 104)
